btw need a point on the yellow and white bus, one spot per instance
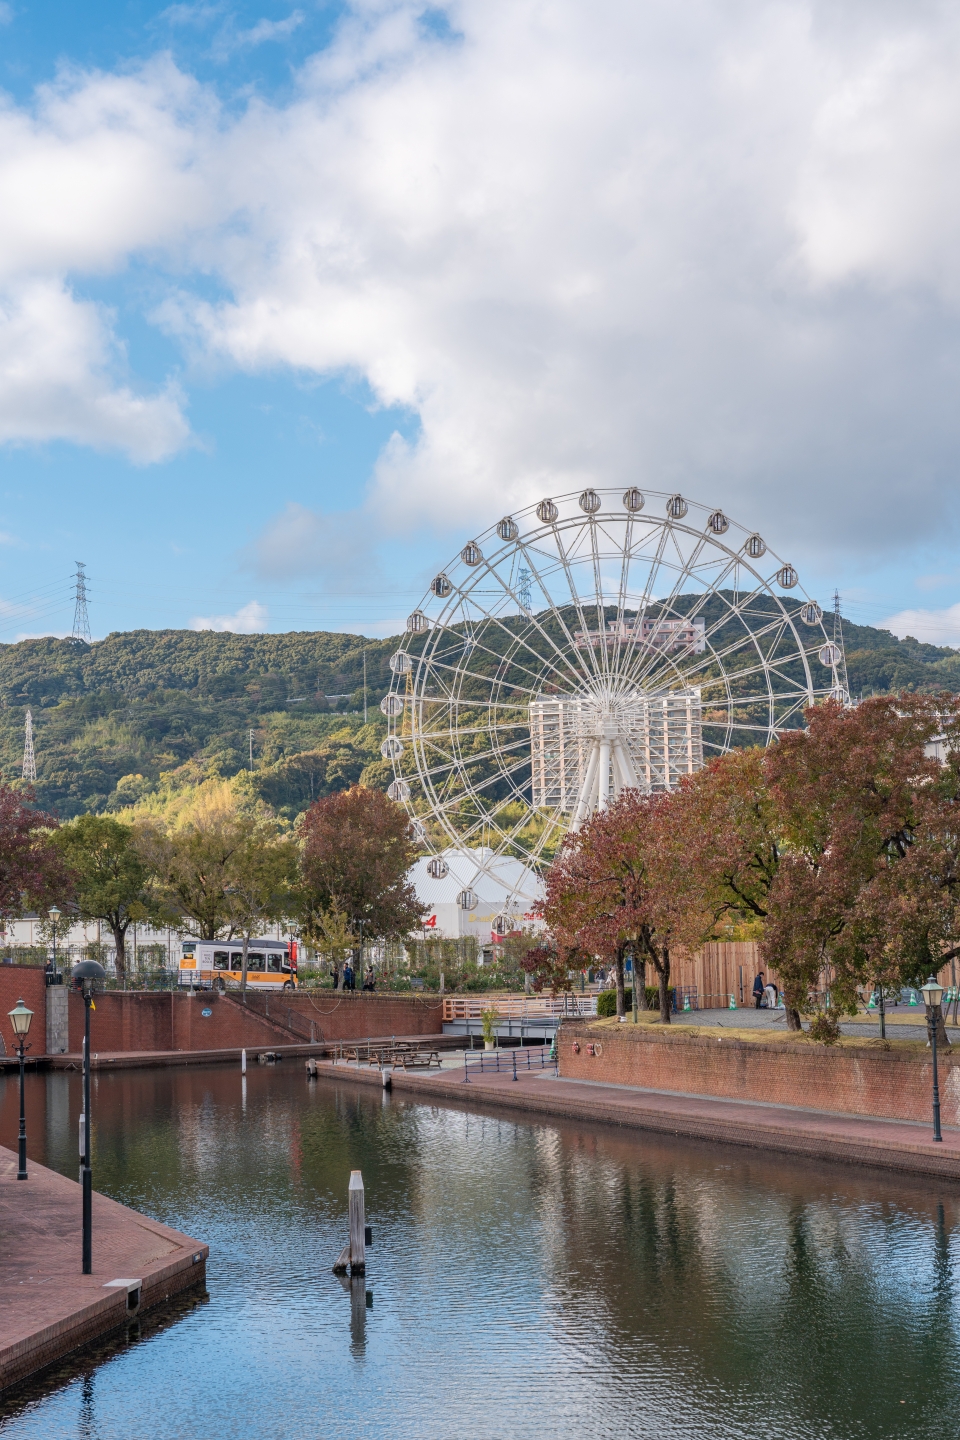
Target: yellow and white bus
(271, 964)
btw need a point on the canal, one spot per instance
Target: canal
(526, 1279)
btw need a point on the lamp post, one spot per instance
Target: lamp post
(85, 975)
(54, 914)
(933, 994)
(20, 1018)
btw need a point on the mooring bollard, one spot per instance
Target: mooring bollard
(243, 1062)
(514, 1064)
(358, 1224)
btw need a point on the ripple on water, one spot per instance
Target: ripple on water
(526, 1279)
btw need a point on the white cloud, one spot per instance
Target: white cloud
(57, 381)
(250, 619)
(712, 248)
(263, 31)
(933, 627)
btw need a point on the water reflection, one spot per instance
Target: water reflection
(530, 1280)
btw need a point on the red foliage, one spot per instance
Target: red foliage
(357, 850)
(32, 873)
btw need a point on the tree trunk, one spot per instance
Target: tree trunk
(936, 1016)
(664, 977)
(243, 965)
(621, 1001)
(793, 1015)
(120, 941)
(640, 979)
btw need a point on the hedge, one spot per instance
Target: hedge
(607, 1000)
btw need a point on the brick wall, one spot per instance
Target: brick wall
(866, 1080)
(354, 1016)
(126, 1021)
(29, 983)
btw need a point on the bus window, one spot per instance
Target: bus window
(285, 965)
(189, 948)
(273, 962)
(254, 961)
(221, 959)
(236, 960)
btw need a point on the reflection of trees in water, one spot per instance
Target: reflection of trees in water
(749, 1276)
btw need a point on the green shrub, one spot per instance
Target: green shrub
(607, 1000)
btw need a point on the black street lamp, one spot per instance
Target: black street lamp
(20, 1018)
(933, 994)
(54, 914)
(85, 976)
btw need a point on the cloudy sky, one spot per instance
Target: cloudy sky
(293, 300)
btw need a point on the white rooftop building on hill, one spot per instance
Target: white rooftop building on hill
(501, 886)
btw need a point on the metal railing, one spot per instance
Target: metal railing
(517, 1007)
(508, 1062)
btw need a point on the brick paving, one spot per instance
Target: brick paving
(50, 1308)
(895, 1145)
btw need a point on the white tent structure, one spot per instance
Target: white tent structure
(475, 892)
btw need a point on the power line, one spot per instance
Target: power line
(81, 620)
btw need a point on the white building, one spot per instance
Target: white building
(663, 736)
(505, 891)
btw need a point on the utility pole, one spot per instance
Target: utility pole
(250, 738)
(29, 759)
(81, 620)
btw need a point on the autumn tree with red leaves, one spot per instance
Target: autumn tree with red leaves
(621, 885)
(357, 848)
(32, 874)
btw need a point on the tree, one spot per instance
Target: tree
(112, 882)
(219, 863)
(32, 872)
(849, 795)
(356, 852)
(263, 873)
(622, 885)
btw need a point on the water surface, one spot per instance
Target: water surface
(526, 1280)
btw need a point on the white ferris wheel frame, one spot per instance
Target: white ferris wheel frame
(605, 669)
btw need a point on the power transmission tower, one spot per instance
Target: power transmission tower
(250, 736)
(525, 600)
(81, 620)
(29, 759)
(838, 641)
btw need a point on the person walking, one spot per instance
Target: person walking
(758, 986)
(348, 981)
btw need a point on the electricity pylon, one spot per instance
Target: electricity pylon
(81, 620)
(29, 759)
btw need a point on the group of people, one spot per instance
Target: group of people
(347, 978)
(766, 996)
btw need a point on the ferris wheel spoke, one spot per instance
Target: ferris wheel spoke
(639, 674)
(575, 601)
(574, 676)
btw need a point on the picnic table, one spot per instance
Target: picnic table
(411, 1057)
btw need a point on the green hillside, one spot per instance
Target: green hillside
(110, 717)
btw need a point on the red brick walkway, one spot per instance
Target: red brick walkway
(887, 1144)
(49, 1308)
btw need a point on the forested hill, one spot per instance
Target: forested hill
(110, 717)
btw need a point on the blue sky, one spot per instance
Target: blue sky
(295, 298)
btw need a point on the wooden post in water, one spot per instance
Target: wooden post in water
(358, 1222)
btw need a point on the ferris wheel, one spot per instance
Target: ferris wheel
(590, 643)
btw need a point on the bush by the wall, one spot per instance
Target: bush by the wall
(607, 1000)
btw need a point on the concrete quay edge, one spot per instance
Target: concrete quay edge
(775, 1131)
(80, 1309)
(145, 1059)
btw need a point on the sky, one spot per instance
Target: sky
(294, 299)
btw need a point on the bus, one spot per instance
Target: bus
(271, 964)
